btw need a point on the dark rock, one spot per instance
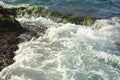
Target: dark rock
(8, 44)
(10, 30)
(9, 23)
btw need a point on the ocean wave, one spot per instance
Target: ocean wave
(64, 52)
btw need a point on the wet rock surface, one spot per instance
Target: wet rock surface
(10, 31)
(8, 44)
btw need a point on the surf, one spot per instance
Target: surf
(67, 51)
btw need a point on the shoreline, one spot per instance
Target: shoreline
(10, 30)
(9, 44)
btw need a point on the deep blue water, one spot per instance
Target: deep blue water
(95, 8)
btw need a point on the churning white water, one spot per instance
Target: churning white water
(64, 52)
(109, 28)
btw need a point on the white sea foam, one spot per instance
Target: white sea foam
(109, 28)
(4, 4)
(38, 22)
(65, 52)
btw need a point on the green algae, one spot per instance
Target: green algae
(84, 20)
(8, 22)
(1, 7)
(33, 10)
(56, 14)
(15, 10)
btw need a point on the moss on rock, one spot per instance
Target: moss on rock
(84, 20)
(33, 10)
(1, 7)
(15, 10)
(8, 21)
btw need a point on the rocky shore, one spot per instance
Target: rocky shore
(10, 30)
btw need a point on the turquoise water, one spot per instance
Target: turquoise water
(94, 8)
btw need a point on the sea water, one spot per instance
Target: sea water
(68, 51)
(94, 8)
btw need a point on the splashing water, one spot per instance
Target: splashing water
(65, 52)
(111, 26)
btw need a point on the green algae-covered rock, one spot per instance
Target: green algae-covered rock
(15, 10)
(8, 21)
(58, 17)
(34, 10)
(55, 16)
(1, 7)
(84, 20)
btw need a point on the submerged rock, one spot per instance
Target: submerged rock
(80, 20)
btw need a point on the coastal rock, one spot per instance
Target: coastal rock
(10, 29)
(8, 22)
(8, 44)
(10, 32)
